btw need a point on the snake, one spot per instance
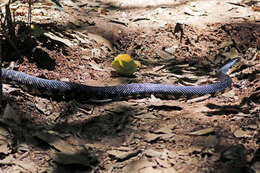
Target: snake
(77, 91)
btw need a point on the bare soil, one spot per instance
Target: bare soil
(178, 43)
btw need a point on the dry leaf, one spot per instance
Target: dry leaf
(59, 39)
(150, 137)
(68, 154)
(203, 132)
(164, 130)
(164, 104)
(11, 114)
(194, 12)
(55, 141)
(239, 133)
(122, 155)
(136, 166)
(163, 163)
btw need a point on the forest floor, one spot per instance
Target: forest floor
(176, 42)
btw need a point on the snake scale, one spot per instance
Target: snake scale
(70, 90)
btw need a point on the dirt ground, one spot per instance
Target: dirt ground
(176, 42)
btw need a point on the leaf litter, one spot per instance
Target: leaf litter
(143, 135)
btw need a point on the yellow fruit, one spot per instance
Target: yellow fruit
(125, 65)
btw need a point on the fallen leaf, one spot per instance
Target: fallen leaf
(122, 155)
(59, 39)
(23, 148)
(82, 38)
(55, 141)
(193, 149)
(68, 154)
(166, 136)
(252, 126)
(11, 114)
(136, 166)
(163, 163)
(153, 153)
(164, 130)
(4, 148)
(239, 133)
(148, 115)
(199, 99)
(172, 49)
(230, 94)
(27, 165)
(203, 132)
(150, 137)
(163, 104)
(194, 12)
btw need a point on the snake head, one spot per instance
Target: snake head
(230, 66)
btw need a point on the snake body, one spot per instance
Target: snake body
(77, 91)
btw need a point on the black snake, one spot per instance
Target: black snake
(69, 90)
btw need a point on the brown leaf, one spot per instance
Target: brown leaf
(164, 130)
(122, 155)
(163, 163)
(203, 132)
(56, 141)
(168, 104)
(153, 153)
(68, 154)
(4, 148)
(150, 137)
(138, 165)
(239, 133)
(59, 39)
(11, 114)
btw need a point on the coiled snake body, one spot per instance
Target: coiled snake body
(71, 90)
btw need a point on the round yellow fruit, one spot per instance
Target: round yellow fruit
(125, 65)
